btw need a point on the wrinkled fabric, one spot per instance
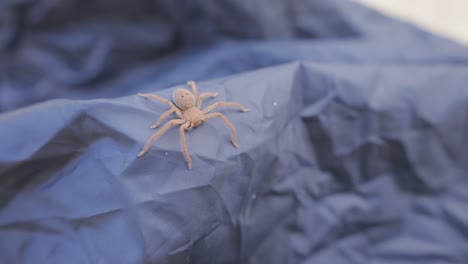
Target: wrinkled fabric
(353, 151)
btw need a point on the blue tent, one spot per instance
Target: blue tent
(354, 149)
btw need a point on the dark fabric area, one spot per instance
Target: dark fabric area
(108, 48)
(354, 149)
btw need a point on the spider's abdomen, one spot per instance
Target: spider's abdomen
(183, 99)
(194, 115)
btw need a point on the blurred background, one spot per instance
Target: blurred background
(445, 17)
(104, 49)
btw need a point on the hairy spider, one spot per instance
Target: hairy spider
(187, 108)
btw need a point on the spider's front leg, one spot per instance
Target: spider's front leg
(164, 116)
(183, 145)
(162, 100)
(159, 133)
(226, 121)
(229, 104)
(194, 88)
(203, 95)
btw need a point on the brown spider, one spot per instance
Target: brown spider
(187, 108)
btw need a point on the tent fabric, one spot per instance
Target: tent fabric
(353, 150)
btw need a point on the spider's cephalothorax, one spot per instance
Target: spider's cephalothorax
(187, 107)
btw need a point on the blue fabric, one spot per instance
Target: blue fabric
(354, 149)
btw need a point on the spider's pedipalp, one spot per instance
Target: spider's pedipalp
(190, 126)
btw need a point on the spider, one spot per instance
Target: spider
(187, 108)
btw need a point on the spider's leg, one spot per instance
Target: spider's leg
(162, 100)
(213, 106)
(159, 133)
(203, 95)
(162, 117)
(225, 120)
(194, 89)
(184, 146)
